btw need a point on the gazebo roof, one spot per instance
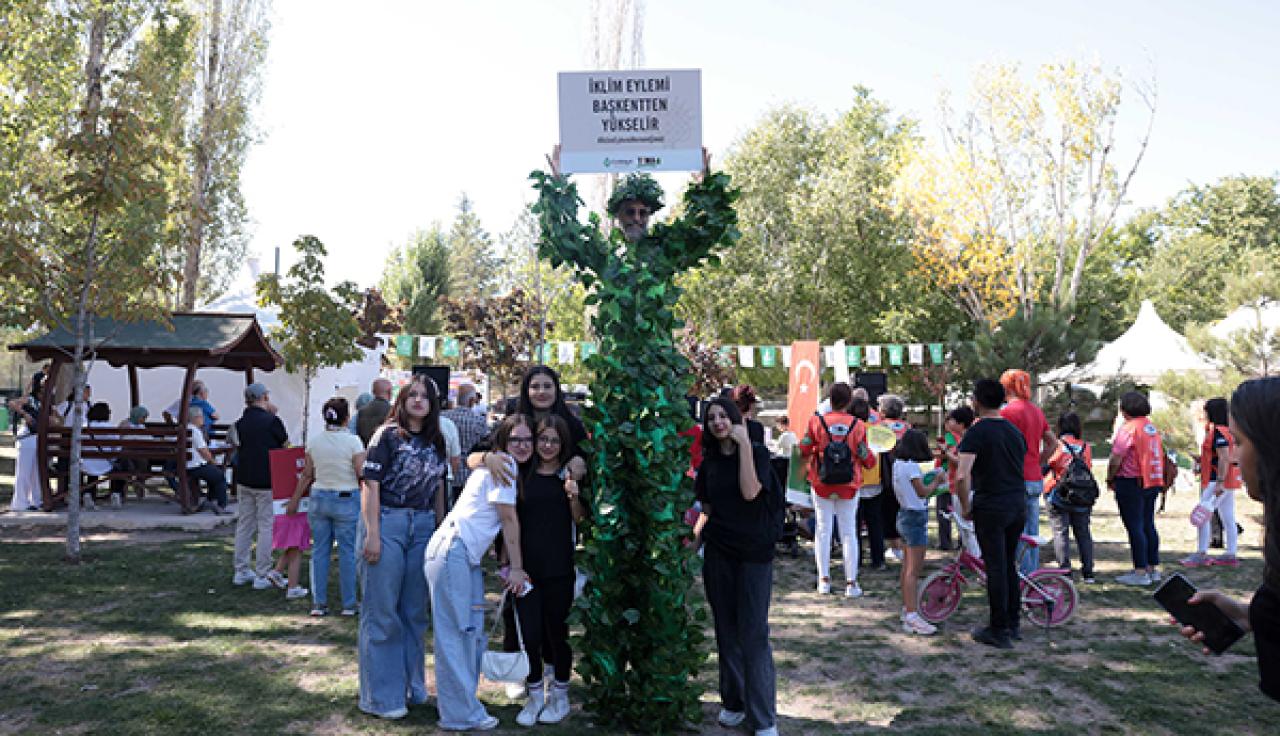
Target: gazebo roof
(208, 339)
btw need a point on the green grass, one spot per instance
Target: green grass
(150, 637)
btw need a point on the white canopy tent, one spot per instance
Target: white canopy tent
(1146, 350)
(1248, 318)
(160, 387)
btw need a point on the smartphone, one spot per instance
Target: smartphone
(1220, 632)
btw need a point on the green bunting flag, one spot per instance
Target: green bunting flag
(853, 355)
(588, 349)
(895, 355)
(404, 345)
(768, 356)
(935, 353)
(451, 348)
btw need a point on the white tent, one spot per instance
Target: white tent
(1146, 350)
(1247, 318)
(160, 387)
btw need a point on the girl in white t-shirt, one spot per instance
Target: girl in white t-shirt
(913, 493)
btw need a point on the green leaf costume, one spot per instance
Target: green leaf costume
(642, 645)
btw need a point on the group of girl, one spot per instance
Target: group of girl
(526, 487)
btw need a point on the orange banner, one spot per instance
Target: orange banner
(803, 388)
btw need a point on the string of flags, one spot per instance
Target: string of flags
(568, 352)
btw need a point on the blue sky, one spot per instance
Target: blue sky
(375, 116)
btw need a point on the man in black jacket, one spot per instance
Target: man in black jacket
(255, 435)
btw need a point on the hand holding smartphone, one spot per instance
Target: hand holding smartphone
(1220, 632)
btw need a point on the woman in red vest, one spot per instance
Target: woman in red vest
(1219, 481)
(1136, 474)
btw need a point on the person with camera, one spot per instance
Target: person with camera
(1255, 424)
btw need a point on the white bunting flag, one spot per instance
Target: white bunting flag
(747, 356)
(427, 347)
(841, 362)
(873, 355)
(915, 353)
(565, 351)
(786, 356)
(829, 356)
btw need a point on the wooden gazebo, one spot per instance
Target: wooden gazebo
(190, 340)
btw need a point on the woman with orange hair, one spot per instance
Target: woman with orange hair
(1041, 443)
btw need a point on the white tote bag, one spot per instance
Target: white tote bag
(505, 666)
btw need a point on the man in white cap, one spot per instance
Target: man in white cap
(255, 435)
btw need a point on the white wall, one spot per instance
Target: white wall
(160, 387)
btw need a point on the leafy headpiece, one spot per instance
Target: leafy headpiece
(639, 187)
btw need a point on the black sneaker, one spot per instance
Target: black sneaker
(1015, 633)
(992, 638)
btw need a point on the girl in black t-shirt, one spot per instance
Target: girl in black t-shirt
(548, 507)
(741, 502)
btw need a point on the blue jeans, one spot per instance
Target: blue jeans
(1137, 507)
(393, 620)
(1031, 527)
(458, 632)
(333, 516)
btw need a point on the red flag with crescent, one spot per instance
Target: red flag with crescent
(803, 388)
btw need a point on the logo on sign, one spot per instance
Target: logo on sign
(648, 162)
(612, 162)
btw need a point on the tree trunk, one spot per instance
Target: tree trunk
(83, 320)
(198, 212)
(308, 374)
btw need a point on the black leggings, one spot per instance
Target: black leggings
(544, 621)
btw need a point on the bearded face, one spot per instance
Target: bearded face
(633, 217)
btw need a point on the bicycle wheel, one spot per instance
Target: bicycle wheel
(1049, 586)
(939, 596)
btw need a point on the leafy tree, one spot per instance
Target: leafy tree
(86, 195)
(473, 265)
(1014, 206)
(415, 278)
(710, 372)
(823, 254)
(1204, 235)
(231, 46)
(318, 326)
(1251, 351)
(496, 333)
(376, 317)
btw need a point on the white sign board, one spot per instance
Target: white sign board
(635, 120)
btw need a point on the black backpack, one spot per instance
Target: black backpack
(1077, 486)
(836, 467)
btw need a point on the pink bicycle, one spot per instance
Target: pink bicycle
(1049, 598)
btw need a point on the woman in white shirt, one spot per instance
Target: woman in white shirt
(913, 520)
(485, 507)
(332, 470)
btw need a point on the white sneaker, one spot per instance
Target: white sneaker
(295, 593)
(533, 708)
(243, 578)
(516, 690)
(262, 583)
(897, 553)
(913, 623)
(1134, 578)
(1154, 575)
(275, 578)
(824, 587)
(731, 718)
(557, 704)
(770, 731)
(852, 590)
